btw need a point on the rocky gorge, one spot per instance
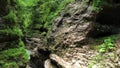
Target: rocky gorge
(85, 34)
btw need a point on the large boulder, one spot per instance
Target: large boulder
(73, 25)
(78, 22)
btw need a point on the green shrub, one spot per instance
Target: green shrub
(11, 17)
(10, 65)
(107, 45)
(17, 21)
(12, 32)
(26, 3)
(13, 57)
(21, 15)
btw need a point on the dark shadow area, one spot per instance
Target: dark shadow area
(107, 22)
(37, 60)
(3, 8)
(109, 16)
(116, 1)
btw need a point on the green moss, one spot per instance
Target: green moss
(11, 32)
(21, 15)
(20, 43)
(17, 21)
(11, 17)
(17, 55)
(43, 33)
(48, 10)
(10, 65)
(26, 3)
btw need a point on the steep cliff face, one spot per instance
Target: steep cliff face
(73, 24)
(82, 20)
(22, 23)
(25, 23)
(78, 25)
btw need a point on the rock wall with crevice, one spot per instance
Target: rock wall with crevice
(79, 21)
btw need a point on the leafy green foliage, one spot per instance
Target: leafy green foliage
(12, 32)
(47, 10)
(22, 14)
(24, 9)
(16, 52)
(17, 20)
(13, 57)
(10, 65)
(26, 3)
(11, 17)
(107, 45)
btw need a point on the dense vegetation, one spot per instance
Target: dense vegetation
(21, 18)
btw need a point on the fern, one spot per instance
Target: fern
(108, 44)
